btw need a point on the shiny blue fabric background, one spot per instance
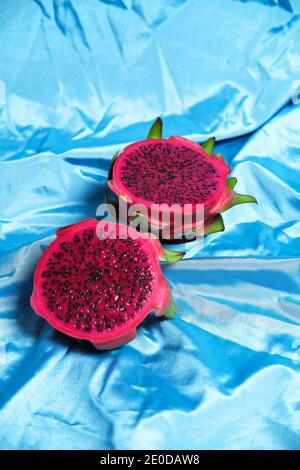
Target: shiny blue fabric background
(82, 78)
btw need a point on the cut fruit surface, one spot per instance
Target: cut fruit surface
(92, 286)
(175, 171)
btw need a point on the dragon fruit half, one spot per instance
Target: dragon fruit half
(175, 171)
(99, 288)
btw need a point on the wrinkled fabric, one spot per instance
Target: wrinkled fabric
(79, 80)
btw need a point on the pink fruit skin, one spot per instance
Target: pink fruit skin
(158, 302)
(212, 205)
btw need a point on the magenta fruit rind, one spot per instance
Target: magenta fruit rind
(222, 198)
(55, 260)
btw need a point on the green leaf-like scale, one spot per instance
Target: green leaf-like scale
(209, 145)
(231, 182)
(171, 310)
(155, 131)
(216, 226)
(241, 199)
(172, 256)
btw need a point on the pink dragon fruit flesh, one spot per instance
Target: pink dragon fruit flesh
(96, 288)
(175, 171)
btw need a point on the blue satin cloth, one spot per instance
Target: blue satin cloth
(79, 80)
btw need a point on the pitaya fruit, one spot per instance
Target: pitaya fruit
(96, 288)
(175, 171)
